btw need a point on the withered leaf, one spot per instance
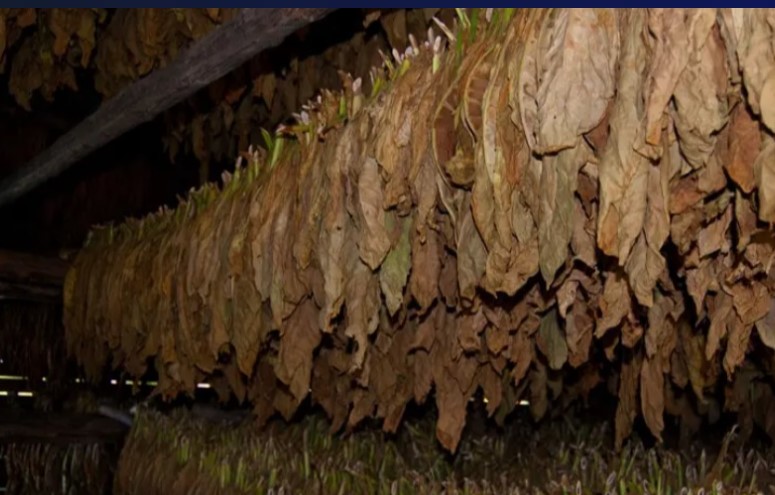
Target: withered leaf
(766, 326)
(623, 171)
(737, 344)
(300, 337)
(567, 110)
(558, 185)
(539, 397)
(452, 411)
(363, 302)
(677, 35)
(615, 304)
(744, 145)
(395, 269)
(627, 407)
(652, 396)
(764, 172)
(374, 241)
(551, 340)
(471, 258)
(713, 237)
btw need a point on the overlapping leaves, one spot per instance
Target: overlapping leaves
(560, 196)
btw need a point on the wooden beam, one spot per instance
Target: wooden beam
(11, 291)
(28, 277)
(30, 269)
(215, 55)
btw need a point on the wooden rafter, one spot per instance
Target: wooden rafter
(31, 278)
(215, 55)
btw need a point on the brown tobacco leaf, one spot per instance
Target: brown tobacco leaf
(767, 102)
(745, 216)
(752, 302)
(677, 35)
(452, 411)
(539, 398)
(766, 326)
(469, 327)
(566, 110)
(700, 94)
(395, 269)
(737, 344)
(426, 329)
(713, 238)
(652, 396)
(579, 330)
(685, 194)
(374, 242)
(471, 257)
(299, 339)
(551, 341)
(623, 171)
(566, 296)
(627, 408)
(497, 339)
(753, 31)
(521, 354)
(646, 262)
(426, 269)
(718, 323)
(744, 145)
(335, 232)
(363, 302)
(615, 304)
(558, 186)
(764, 171)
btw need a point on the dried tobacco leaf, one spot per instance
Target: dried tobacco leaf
(551, 340)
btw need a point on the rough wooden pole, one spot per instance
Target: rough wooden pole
(31, 268)
(215, 55)
(28, 277)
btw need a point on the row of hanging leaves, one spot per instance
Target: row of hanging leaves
(541, 199)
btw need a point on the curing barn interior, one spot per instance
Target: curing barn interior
(463, 251)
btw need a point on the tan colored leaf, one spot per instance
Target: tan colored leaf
(677, 35)
(471, 258)
(551, 341)
(764, 171)
(699, 96)
(652, 396)
(623, 171)
(737, 344)
(452, 412)
(627, 407)
(575, 45)
(555, 228)
(766, 326)
(395, 269)
(753, 31)
(363, 302)
(539, 397)
(713, 237)
(374, 242)
(615, 304)
(744, 145)
(300, 337)
(767, 101)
